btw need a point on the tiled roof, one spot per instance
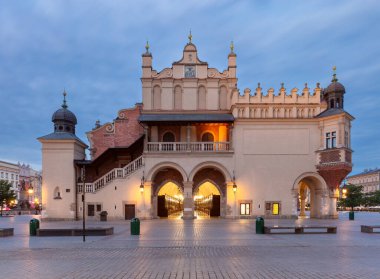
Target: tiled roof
(332, 111)
(61, 136)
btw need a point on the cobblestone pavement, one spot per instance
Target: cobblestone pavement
(193, 249)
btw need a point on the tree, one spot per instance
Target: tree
(354, 196)
(6, 194)
(372, 198)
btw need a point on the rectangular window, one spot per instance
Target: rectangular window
(333, 139)
(267, 206)
(90, 210)
(12, 176)
(98, 207)
(2, 175)
(6, 175)
(346, 139)
(245, 209)
(328, 140)
(275, 208)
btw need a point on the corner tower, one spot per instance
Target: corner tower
(59, 150)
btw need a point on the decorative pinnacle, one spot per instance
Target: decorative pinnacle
(232, 46)
(282, 85)
(64, 105)
(147, 47)
(190, 36)
(334, 75)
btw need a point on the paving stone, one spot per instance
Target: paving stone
(193, 249)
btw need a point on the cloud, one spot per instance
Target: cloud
(93, 49)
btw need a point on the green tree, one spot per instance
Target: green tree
(354, 196)
(372, 198)
(6, 195)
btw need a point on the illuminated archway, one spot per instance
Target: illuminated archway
(169, 200)
(167, 191)
(209, 191)
(207, 200)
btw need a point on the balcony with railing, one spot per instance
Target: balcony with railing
(188, 147)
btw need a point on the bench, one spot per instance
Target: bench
(282, 229)
(75, 232)
(299, 229)
(6, 232)
(319, 229)
(370, 229)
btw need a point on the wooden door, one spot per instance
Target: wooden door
(129, 211)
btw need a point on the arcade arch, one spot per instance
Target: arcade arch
(167, 191)
(311, 191)
(209, 192)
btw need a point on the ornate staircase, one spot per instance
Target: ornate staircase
(116, 173)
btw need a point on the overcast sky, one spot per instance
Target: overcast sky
(93, 50)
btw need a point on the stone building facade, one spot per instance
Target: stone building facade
(369, 179)
(196, 146)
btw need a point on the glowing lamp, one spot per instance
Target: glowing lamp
(234, 188)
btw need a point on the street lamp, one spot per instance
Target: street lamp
(142, 193)
(30, 193)
(234, 189)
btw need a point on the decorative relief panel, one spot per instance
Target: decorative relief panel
(214, 73)
(165, 73)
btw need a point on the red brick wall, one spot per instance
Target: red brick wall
(121, 133)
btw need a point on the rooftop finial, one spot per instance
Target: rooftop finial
(147, 46)
(232, 46)
(334, 75)
(64, 105)
(190, 37)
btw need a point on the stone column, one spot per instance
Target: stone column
(145, 138)
(188, 136)
(188, 201)
(303, 200)
(294, 194)
(334, 195)
(147, 200)
(231, 136)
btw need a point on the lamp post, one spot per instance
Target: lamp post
(83, 203)
(142, 193)
(30, 193)
(234, 188)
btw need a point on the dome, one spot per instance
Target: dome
(64, 120)
(64, 114)
(335, 87)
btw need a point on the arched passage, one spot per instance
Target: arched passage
(167, 192)
(310, 189)
(209, 192)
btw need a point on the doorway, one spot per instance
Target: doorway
(129, 211)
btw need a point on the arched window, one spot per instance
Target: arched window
(338, 103)
(156, 97)
(332, 105)
(207, 137)
(177, 97)
(168, 137)
(201, 97)
(223, 98)
(57, 194)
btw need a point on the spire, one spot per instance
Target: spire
(190, 37)
(334, 75)
(232, 46)
(147, 46)
(64, 105)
